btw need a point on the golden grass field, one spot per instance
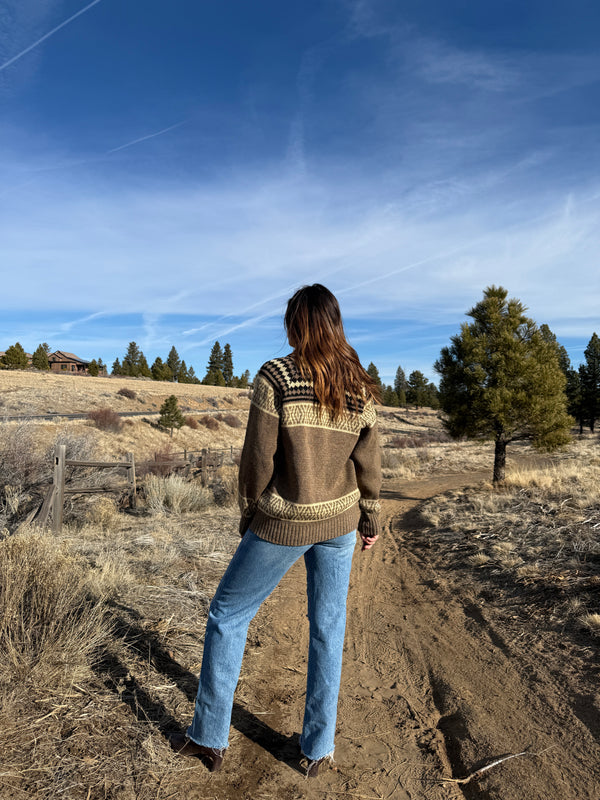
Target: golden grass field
(101, 628)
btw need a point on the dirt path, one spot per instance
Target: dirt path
(432, 688)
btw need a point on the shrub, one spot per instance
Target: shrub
(105, 419)
(225, 488)
(129, 393)
(191, 422)
(209, 422)
(50, 627)
(175, 494)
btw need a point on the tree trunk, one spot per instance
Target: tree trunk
(499, 461)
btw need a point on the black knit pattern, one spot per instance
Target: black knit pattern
(285, 377)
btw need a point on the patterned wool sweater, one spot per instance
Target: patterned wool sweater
(304, 477)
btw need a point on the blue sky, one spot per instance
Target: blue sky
(171, 173)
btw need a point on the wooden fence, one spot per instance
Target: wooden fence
(205, 462)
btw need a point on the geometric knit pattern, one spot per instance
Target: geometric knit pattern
(280, 390)
(276, 506)
(285, 375)
(264, 397)
(373, 506)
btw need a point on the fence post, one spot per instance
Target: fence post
(131, 477)
(59, 487)
(204, 466)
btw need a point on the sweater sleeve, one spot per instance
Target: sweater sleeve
(260, 445)
(367, 463)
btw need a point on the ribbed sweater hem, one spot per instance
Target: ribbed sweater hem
(296, 534)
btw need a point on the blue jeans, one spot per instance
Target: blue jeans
(254, 571)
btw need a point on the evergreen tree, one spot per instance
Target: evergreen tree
(101, 367)
(501, 380)
(400, 383)
(160, 370)
(216, 359)
(182, 375)
(116, 367)
(417, 392)
(219, 378)
(390, 398)
(244, 379)
(173, 362)
(143, 368)
(93, 368)
(432, 396)
(170, 414)
(374, 373)
(39, 359)
(227, 367)
(192, 378)
(131, 361)
(575, 404)
(15, 357)
(590, 381)
(46, 347)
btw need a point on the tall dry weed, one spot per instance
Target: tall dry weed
(174, 493)
(50, 623)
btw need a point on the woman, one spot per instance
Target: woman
(309, 478)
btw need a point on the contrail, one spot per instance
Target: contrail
(143, 138)
(47, 35)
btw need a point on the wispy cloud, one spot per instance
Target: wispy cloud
(48, 35)
(146, 137)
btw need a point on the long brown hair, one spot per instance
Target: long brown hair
(313, 323)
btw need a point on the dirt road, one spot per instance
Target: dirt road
(433, 688)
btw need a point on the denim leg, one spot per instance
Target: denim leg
(253, 573)
(327, 577)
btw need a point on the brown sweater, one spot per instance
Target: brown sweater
(304, 477)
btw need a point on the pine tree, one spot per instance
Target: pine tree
(390, 398)
(116, 367)
(374, 373)
(15, 357)
(227, 368)
(39, 359)
(219, 378)
(101, 367)
(244, 379)
(192, 378)
(131, 361)
(400, 383)
(170, 415)
(173, 362)
(417, 391)
(215, 360)
(182, 375)
(501, 380)
(590, 381)
(143, 368)
(160, 370)
(93, 368)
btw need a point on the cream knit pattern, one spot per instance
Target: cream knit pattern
(305, 477)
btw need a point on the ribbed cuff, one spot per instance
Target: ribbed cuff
(368, 524)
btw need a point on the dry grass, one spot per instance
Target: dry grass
(101, 633)
(538, 535)
(176, 494)
(24, 392)
(101, 629)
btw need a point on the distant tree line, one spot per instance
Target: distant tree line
(416, 391)
(219, 370)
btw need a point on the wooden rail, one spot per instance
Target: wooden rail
(207, 461)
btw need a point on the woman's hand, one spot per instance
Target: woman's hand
(368, 541)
